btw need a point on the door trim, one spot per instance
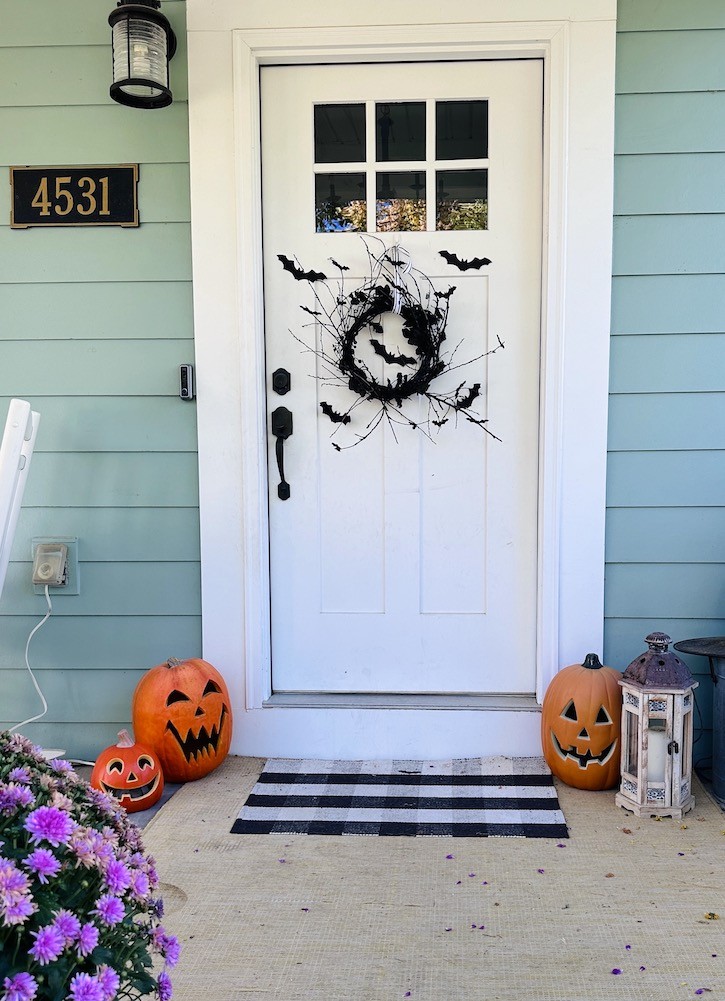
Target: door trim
(228, 293)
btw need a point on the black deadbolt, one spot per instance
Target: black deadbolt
(281, 381)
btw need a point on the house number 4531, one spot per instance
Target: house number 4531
(75, 196)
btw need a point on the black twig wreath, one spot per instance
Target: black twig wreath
(393, 286)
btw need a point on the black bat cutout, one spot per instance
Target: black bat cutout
(298, 274)
(475, 262)
(389, 356)
(342, 267)
(445, 295)
(465, 401)
(333, 414)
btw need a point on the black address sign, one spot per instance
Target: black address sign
(74, 196)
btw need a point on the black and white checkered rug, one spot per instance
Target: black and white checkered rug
(465, 798)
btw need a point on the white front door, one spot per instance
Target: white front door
(404, 560)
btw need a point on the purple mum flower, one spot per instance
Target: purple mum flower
(48, 945)
(109, 981)
(61, 765)
(85, 988)
(19, 911)
(164, 987)
(21, 987)
(47, 823)
(110, 909)
(13, 796)
(22, 775)
(140, 885)
(43, 863)
(87, 940)
(68, 925)
(117, 877)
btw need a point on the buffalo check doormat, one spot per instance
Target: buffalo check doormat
(465, 797)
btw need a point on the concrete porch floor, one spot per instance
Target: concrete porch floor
(282, 918)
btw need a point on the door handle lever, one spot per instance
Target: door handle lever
(281, 429)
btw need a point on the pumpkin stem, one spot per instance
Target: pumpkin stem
(173, 662)
(592, 662)
(124, 739)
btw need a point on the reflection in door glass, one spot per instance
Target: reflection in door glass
(400, 201)
(461, 199)
(340, 203)
(400, 131)
(339, 133)
(461, 130)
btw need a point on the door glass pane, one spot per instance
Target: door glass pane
(400, 201)
(461, 130)
(339, 133)
(461, 199)
(340, 204)
(400, 131)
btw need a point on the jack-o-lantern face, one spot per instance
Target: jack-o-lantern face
(182, 710)
(130, 772)
(580, 725)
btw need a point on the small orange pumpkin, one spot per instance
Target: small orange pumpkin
(181, 709)
(130, 772)
(580, 725)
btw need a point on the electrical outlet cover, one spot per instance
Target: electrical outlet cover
(72, 585)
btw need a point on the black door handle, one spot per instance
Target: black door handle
(281, 429)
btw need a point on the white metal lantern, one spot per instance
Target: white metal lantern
(657, 691)
(143, 43)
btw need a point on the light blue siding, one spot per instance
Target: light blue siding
(666, 476)
(95, 323)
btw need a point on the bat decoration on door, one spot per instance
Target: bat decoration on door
(475, 262)
(333, 414)
(346, 322)
(298, 273)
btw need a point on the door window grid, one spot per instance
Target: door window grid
(394, 195)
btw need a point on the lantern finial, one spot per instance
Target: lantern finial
(658, 641)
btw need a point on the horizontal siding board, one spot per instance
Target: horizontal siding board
(672, 535)
(667, 15)
(87, 26)
(121, 589)
(89, 643)
(637, 590)
(80, 741)
(667, 421)
(624, 639)
(667, 363)
(153, 252)
(668, 304)
(652, 62)
(143, 534)
(72, 696)
(101, 368)
(669, 183)
(113, 424)
(670, 123)
(105, 133)
(87, 480)
(665, 245)
(96, 310)
(666, 479)
(163, 194)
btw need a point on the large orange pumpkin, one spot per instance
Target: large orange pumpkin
(580, 725)
(130, 772)
(181, 710)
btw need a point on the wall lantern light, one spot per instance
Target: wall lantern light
(143, 43)
(657, 690)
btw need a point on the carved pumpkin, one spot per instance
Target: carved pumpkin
(181, 710)
(130, 772)
(580, 725)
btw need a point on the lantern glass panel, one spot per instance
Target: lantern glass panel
(631, 749)
(656, 749)
(139, 53)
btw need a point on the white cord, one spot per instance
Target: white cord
(42, 622)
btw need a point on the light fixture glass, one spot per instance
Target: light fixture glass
(143, 43)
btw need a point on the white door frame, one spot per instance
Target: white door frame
(226, 51)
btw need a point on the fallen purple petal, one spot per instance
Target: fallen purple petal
(450, 856)
(304, 909)
(561, 846)
(458, 883)
(642, 968)
(474, 926)
(541, 870)
(447, 929)
(407, 994)
(484, 883)
(471, 874)
(681, 853)
(628, 947)
(616, 971)
(281, 859)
